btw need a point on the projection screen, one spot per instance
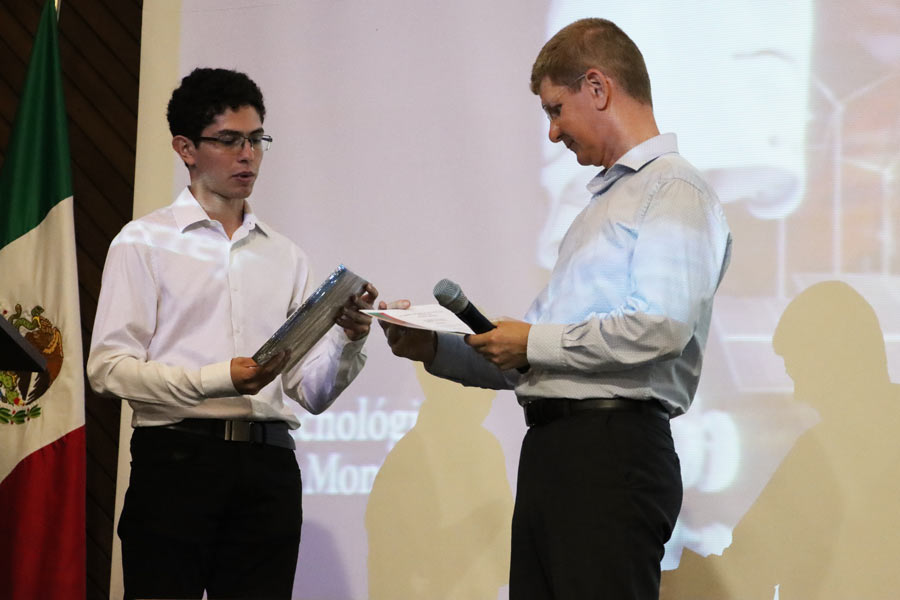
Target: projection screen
(409, 148)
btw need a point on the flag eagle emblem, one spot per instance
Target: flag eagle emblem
(21, 390)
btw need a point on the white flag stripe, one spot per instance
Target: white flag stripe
(39, 269)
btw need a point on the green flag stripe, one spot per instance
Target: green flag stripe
(35, 175)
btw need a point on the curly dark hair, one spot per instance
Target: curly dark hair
(205, 94)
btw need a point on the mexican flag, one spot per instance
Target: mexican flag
(42, 445)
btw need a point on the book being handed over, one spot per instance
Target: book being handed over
(312, 319)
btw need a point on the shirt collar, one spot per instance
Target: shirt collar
(251, 221)
(634, 160)
(187, 211)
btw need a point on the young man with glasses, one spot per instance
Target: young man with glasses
(613, 345)
(189, 292)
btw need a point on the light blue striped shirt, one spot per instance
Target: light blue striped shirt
(626, 312)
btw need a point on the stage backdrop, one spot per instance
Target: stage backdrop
(409, 148)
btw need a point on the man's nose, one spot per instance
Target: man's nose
(247, 150)
(553, 133)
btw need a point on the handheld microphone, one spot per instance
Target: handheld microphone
(450, 296)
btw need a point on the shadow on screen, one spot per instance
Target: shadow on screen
(438, 517)
(825, 525)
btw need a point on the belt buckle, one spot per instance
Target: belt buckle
(239, 431)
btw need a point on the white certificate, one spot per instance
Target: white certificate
(432, 317)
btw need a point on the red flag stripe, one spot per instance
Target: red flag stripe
(42, 535)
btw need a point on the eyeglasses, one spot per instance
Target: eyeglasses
(234, 142)
(552, 111)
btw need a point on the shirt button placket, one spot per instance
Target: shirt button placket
(234, 285)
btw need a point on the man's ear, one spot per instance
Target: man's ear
(185, 148)
(599, 87)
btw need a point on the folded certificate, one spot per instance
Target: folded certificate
(433, 317)
(313, 319)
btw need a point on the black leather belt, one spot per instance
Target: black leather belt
(541, 411)
(273, 433)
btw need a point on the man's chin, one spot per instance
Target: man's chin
(243, 190)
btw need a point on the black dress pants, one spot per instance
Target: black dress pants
(203, 514)
(598, 495)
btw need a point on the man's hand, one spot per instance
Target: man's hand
(249, 377)
(414, 344)
(506, 346)
(356, 324)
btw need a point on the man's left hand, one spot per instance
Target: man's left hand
(356, 324)
(506, 346)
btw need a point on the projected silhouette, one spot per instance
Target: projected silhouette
(825, 525)
(438, 517)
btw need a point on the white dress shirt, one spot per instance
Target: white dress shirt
(179, 300)
(626, 312)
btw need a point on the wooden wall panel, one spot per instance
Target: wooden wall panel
(100, 53)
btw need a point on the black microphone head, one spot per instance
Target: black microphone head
(450, 296)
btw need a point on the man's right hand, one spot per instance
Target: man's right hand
(414, 344)
(249, 377)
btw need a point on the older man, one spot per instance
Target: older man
(613, 346)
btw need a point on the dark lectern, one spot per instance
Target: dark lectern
(16, 354)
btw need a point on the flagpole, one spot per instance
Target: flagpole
(58, 3)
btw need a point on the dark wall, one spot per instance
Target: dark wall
(100, 53)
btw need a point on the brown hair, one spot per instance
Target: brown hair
(592, 43)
